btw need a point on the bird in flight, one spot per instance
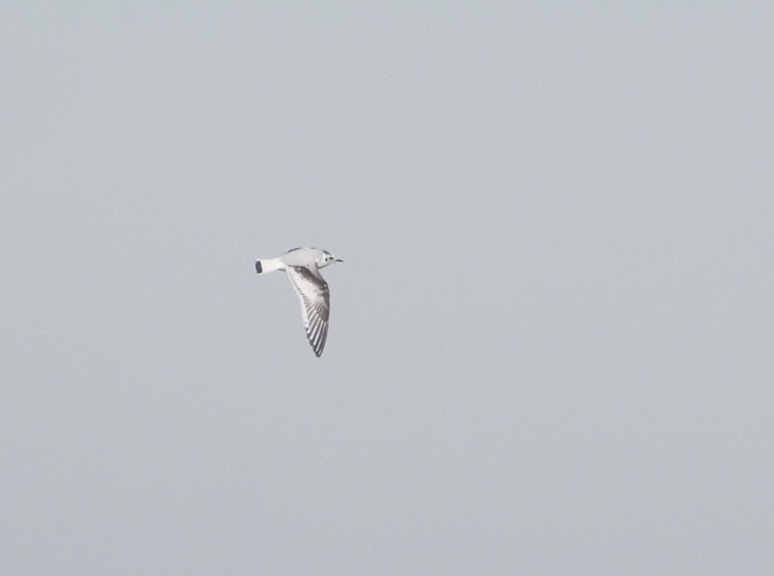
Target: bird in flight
(303, 268)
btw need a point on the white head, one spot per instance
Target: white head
(327, 258)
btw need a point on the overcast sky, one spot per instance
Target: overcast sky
(550, 348)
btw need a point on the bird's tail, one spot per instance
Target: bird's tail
(268, 265)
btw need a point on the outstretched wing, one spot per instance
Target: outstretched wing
(313, 293)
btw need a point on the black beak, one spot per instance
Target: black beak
(339, 260)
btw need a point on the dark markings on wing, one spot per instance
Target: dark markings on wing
(314, 295)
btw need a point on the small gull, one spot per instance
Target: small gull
(303, 268)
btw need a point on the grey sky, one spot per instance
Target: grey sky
(550, 344)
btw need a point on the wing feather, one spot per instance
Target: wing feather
(314, 296)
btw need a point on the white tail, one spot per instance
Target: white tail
(268, 265)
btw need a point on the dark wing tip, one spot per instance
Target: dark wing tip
(258, 266)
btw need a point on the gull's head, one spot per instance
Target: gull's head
(329, 258)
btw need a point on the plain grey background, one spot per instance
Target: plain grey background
(550, 349)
